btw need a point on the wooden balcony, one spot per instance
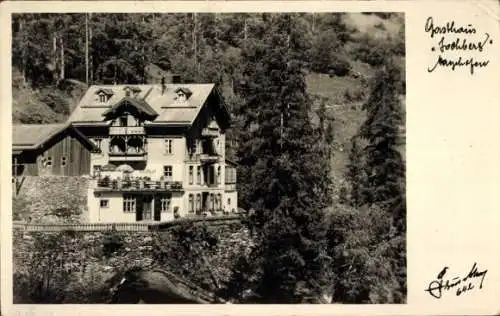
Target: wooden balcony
(137, 185)
(128, 156)
(126, 130)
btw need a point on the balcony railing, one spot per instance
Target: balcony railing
(136, 184)
(126, 130)
(128, 156)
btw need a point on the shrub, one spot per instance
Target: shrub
(44, 274)
(112, 243)
(367, 253)
(339, 66)
(371, 51)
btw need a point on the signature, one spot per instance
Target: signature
(459, 285)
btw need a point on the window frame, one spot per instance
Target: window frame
(129, 204)
(105, 204)
(168, 169)
(103, 98)
(198, 202)
(64, 161)
(191, 175)
(191, 203)
(169, 146)
(165, 204)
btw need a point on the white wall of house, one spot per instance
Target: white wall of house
(114, 213)
(159, 157)
(231, 201)
(100, 159)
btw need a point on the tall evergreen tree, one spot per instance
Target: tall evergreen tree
(377, 170)
(384, 164)
(285, 168)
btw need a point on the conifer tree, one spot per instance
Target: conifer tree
(384, 164)
(377, 171)
(286, 170)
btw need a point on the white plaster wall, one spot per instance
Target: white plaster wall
(100, 159)
(177, 200)
(233, 196)
(157, 157)
(112, 214)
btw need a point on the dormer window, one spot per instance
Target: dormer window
(182, 94)
(181, 97)
(131, 91)
(103, 98)
(104, 95)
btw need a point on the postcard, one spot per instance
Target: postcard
(276, 157)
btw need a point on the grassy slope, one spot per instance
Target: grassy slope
(29, 107)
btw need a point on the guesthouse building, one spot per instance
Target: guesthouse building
(161, 151)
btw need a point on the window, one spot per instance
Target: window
(48, 162)
(218, 201)
(129, 204)
(97, 170)
(123, 121)
(198, 202)
(212, 201)
(104, 203)
(229, 201)
(63, 161)
(167, 173)
(103, 98)
(195, 146)
(218, 174)
(191, 168)
(168, 146)
(211, 171)
(191, 204)
(181, 97)
(98, 142)
(198, 175)
(165, 203)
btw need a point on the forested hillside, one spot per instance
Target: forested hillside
(316, 103)
(55, 55)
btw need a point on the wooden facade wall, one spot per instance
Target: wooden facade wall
(67, 156)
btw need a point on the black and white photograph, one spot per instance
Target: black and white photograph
(209, 158)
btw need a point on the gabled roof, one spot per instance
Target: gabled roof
(33, 136)
(139, 104)
(90, 111)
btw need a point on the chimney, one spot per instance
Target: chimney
(163, 86)
(176, 78)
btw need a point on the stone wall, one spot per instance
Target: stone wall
(52, 199)
(80, 267)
